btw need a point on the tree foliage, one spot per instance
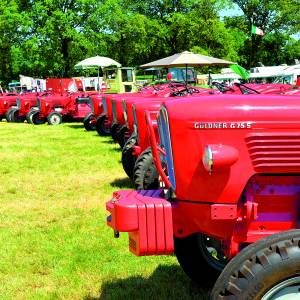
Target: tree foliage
(46, 38)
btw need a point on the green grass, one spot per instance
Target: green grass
(55, 244)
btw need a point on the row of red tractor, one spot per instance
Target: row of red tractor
(217, 177)
(217, 183)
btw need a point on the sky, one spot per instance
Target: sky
(235, 11)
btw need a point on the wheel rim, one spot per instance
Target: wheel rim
(92, 123)
(286, 290)
(211, 251)
(54, 119)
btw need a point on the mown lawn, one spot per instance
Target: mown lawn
(54, 241)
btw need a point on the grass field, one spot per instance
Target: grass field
(55, 244)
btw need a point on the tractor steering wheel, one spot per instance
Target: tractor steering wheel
(223, 88)
(246, 89)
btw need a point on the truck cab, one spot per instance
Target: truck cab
(119, 80)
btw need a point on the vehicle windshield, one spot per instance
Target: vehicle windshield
(127, 75)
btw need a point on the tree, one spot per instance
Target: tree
(273, 17)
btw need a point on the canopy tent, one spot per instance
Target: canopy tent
(187, 59)
(97, 62)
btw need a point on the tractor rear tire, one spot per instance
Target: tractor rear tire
(14, 116)
(145, 175)
(128, 159)
(101, 126)
(54, 118)
(267, 269)
(35, 118)
(199, 258)
(89, 122)
(122, 136)
(9, 113)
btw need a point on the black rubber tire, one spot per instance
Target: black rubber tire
(122, 136)
(259, 267)
(35, 118)
(14, 116)
(115, 127)
(54, 118)
(89, 122)
(9, 113)
(101, 126)
(196, 261)
(29, 116)
(145, 175)
(128, 159)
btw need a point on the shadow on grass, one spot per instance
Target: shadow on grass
(166, 282)
(123, 183)
(109, 141)
(76, 126)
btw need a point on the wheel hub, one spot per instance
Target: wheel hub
(286, 290)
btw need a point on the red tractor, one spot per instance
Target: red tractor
(120, 131)
(90, 119)
(7, 101)
(229, 166)
(25, 102)
(105, 120)
(53, 108)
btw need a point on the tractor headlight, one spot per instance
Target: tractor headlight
(219, 157)
(207, 159)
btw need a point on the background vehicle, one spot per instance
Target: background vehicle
(53, 108)
(119, 80)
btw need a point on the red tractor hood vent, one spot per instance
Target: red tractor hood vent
(274, 152)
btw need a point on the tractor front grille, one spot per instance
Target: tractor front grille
(274, 152)
(104, 104)
(38, 103)
(114, 110)
(135, 123)
(124, 110)
(18, 101)
(165, 143)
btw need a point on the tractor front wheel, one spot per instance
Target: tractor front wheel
(54, 118)
(102, 126)
(145, 175)
(200, 257)
(128, 159)
(89, 122)
(115, 127)
(15, 117)
(268, 269)
(122, 135)
(36, 119)
(29, 115)
(8, 114)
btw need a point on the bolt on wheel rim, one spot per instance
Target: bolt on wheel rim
(286, 290)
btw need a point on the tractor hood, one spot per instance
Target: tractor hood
(219, 142)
